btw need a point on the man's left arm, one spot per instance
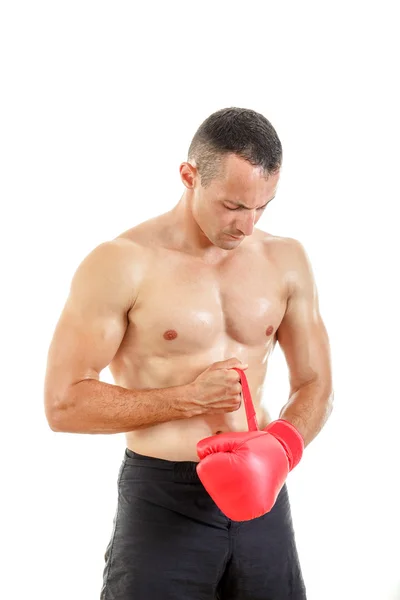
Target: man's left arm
(261, 462)
(305, 344)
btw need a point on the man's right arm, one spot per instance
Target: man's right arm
(93, 406)
(87, 337)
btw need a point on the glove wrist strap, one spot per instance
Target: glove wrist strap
(290, 438)
(248, 402)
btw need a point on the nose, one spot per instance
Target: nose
(245, 223)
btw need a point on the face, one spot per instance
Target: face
(233, 202)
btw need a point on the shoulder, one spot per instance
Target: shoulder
(113, 254)
(283, 249)
(113, 269)
(291, 258)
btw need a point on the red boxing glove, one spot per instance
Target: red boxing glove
(290, 439)
(244, 471)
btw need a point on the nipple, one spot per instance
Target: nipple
(171, 334)
(269, 330)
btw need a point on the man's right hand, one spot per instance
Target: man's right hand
(218, 388)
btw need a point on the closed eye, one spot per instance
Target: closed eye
(239, 207)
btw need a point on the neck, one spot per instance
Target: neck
(186, 234)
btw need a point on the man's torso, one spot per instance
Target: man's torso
(190, 313)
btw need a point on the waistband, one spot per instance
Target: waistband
(184, 471)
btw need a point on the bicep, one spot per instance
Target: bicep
(92, 323)
(302, 334)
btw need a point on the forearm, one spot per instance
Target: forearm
(308, 409)
(93, 406)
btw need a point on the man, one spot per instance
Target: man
(174, 306)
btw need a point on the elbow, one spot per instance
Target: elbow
(54, 427)
(329, 404)
(56, 410)
(55, 419)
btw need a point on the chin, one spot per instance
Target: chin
(228, 245)
(224, 242)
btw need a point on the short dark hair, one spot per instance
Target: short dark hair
(240, 131)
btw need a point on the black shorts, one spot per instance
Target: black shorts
(170, 541)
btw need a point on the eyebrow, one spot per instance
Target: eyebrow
(243, 206)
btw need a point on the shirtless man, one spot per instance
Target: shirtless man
(172, 306)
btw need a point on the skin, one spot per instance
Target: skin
(183, 294)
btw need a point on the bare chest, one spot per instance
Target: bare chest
(186, 307)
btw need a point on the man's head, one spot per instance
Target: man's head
(231, 173)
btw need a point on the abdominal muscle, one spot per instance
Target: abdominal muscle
(176, 440)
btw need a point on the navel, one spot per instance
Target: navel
(171, 334)
(269, 330)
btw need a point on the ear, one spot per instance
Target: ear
(188, 173)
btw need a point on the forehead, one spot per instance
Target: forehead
(239, 179)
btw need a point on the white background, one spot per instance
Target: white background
(99, 102)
